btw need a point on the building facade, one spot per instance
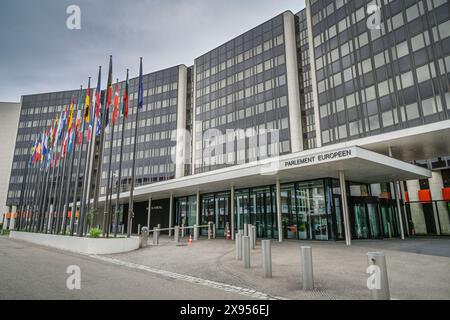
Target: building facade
(9, 121)
(328, 124)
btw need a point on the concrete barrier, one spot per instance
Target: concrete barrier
(79, 245)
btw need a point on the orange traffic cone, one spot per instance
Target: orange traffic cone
(190, 239)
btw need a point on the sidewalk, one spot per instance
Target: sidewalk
(339, 272)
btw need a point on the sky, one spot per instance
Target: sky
(38, 53)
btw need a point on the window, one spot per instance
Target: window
(444, 29)
(402, 49)
(397, 21)
(429, 107)
(374, 122)
(412, 111)
(388, 120)
(370, 93)
(412, 12)
(407, 79)
(423, 73)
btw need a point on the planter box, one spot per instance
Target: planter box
(79, 245)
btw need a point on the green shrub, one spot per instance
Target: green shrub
(95, 233)
(4, 232)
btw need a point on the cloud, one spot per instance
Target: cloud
(43, 55)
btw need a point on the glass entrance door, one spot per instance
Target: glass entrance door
(389, 219)
(221, 213)
(364, 218)
(360, 225)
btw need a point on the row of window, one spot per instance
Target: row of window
(247, 113)
(267, 45)
(240, 76)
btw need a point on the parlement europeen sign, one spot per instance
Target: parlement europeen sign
(334, 155)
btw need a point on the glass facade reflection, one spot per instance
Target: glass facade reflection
(310, 210)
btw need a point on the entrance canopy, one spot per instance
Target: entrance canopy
(358, 164)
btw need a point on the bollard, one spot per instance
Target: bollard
(245, 229)
(253, 237)
(139, 229)
(143, 237)
(307, 268)
(182, 231)
(155, 236)
(209, 230)
(214, 230)
(238, 247)
(195, 232)
(378, 283)
(176, 234)
(246, 251)
(266, 258)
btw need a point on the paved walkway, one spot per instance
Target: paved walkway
(339, 271)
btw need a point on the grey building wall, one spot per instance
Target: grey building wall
(372, 81)
(163, 112)
(9, 121)
(36, 114)
(250, 82)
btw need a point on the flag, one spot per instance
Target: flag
(108, 92)
(125, 100)
(116, 103)
(141, 89)
(98, 94)
(87, 104)
(70, 116)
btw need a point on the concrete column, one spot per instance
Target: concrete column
(395, 188)
(181, 123)
(232, 212)
(344, 204)
(170, 213)
(402, 192)
(399, 208)
(441, 220)
(295, 120)
(280, 226)
(312, 60)
(149, 210)
(197, 209)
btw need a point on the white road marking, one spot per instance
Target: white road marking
(207, 283)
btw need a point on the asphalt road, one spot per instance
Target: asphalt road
(33, 272)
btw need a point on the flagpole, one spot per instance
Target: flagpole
(86, 179)
(36, 195)
(54, 151)
(26, 181)
(48, 205)
(107, 212)
(42, 199)
(22, 192)
(119, 182)
(133, 175)
(100, 152)
(58, 207)
(80, 155)
(29, 195)
(72, 160)
(93, 124)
